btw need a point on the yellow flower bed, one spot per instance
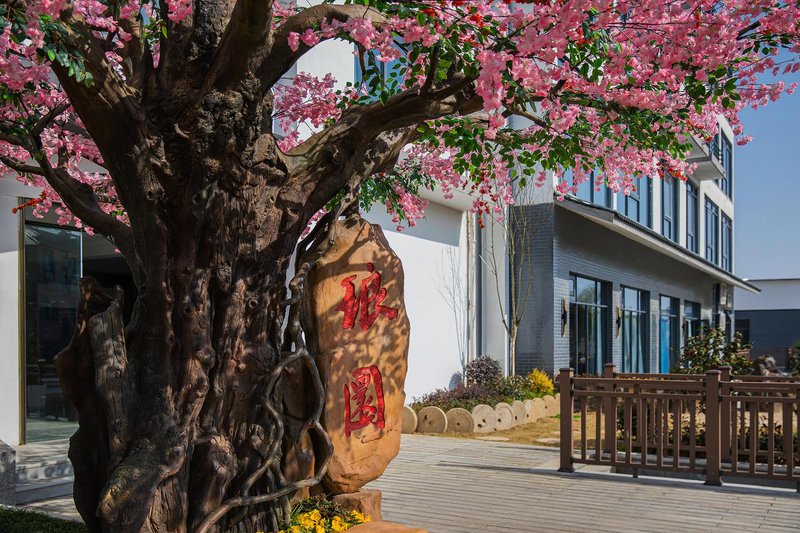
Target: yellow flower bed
(330, 519)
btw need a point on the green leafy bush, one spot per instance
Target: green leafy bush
(482, 371)
(793, 362)
(501, 389)
(541, 383)
(710, 351)
(13, 520)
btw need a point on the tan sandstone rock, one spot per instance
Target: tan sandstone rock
(385, 527)
(355, 322)
(367, 502)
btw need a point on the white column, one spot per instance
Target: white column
(10, 320)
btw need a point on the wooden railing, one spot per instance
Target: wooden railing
(712, 424)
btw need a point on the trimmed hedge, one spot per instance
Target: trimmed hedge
(14, 520)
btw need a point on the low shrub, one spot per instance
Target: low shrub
(316, 515)
(541, 383)
(13, 520)
(482, 371)
(793, 362)
(501, 389)
(710, 351)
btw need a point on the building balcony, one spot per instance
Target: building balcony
(708, 158)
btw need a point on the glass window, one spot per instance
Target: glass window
(634, 318)
(726, 183)
(669, 339)
(588, 321)
(669, 207)
(691, 217)
(56, 258)
(712, 231)
(691, 315)
(591, 192)
(636, 205)
(726, 261)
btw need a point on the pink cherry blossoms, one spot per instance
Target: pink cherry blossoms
(608, 91)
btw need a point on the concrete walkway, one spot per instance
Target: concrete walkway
(473, 486)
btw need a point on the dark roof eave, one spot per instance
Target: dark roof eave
(613, 219)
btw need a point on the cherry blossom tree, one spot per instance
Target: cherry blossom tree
(151, 123)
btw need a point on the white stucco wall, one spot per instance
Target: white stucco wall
(428, 252)
(775, 294)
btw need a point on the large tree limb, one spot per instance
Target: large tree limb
(81, 200)
(280, 57)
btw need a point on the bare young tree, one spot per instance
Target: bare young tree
(509, 236)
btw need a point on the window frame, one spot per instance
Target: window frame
(692, 217)
(669, 216)
(641, 315)
(602, 307)
(712, 245)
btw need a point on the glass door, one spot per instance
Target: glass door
(52, 274)
(669, 334)
(588, 325)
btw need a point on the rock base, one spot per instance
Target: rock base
(366, 502)
(385, 527)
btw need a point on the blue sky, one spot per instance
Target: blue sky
(767, 191)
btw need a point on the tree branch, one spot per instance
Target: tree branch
(280, 57)
(81, 200)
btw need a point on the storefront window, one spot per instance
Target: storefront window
(56, 258)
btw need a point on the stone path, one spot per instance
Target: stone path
(464, 486)
(473, 486)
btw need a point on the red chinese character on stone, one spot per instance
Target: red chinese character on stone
(368, 301)
(363, 400)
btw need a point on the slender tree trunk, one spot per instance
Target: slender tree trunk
(179, 412)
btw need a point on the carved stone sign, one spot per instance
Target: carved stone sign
(357, 325)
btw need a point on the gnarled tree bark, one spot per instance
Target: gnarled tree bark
(185, 421)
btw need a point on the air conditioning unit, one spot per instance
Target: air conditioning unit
(725, 296)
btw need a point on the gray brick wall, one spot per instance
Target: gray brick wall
(534, 234)
(575, 245)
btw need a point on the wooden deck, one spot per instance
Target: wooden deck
(463, 486)
(472, 486)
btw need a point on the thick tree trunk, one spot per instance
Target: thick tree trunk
(181, 414)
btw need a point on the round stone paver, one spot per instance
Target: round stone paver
(460, 421)
(550, 406)
(520, 414)
(485, 418)
(528, 410)
(539, 410)
(505, 416)
(431, 420)
(409, 420)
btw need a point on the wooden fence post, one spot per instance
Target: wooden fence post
(610, 408)
(712, 428)
(725, 416)
(567, 422)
